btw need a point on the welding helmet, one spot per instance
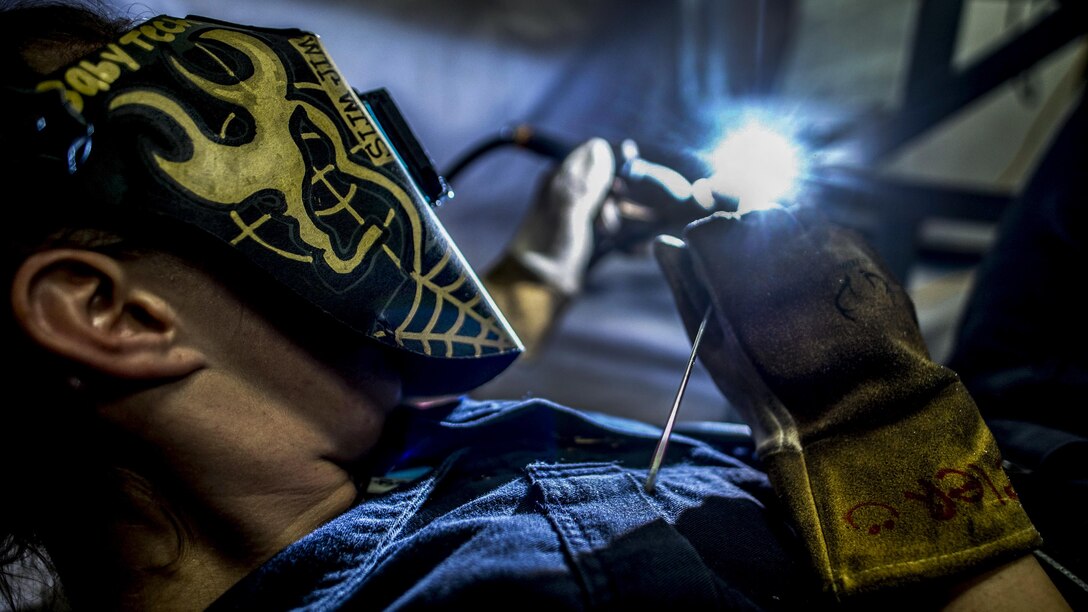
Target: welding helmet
(252, 136)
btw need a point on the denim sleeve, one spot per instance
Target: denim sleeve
(542, 508)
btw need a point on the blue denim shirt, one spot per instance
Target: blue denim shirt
(531, 504)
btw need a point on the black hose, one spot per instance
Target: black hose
(522, 136)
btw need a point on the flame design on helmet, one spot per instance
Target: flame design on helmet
(445, 318)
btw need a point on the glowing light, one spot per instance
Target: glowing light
(756, 165)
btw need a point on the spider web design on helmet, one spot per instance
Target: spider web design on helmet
(480, 333)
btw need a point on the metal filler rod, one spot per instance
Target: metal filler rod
(663, 443)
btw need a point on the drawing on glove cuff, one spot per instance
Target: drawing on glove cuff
(884, 520)
(856, 286)
(970, 486)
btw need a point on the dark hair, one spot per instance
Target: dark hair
(43, 425)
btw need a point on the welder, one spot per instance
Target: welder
(228, 304)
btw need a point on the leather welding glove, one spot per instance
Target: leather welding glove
(878, 452)
(546, 262)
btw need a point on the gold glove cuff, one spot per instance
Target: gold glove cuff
(922, 497)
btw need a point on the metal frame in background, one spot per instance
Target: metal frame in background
(892, 210)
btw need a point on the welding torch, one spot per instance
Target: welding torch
(649, 199)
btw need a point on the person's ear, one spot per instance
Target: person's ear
(81, 305)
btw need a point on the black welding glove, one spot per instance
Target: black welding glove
(878, 452)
